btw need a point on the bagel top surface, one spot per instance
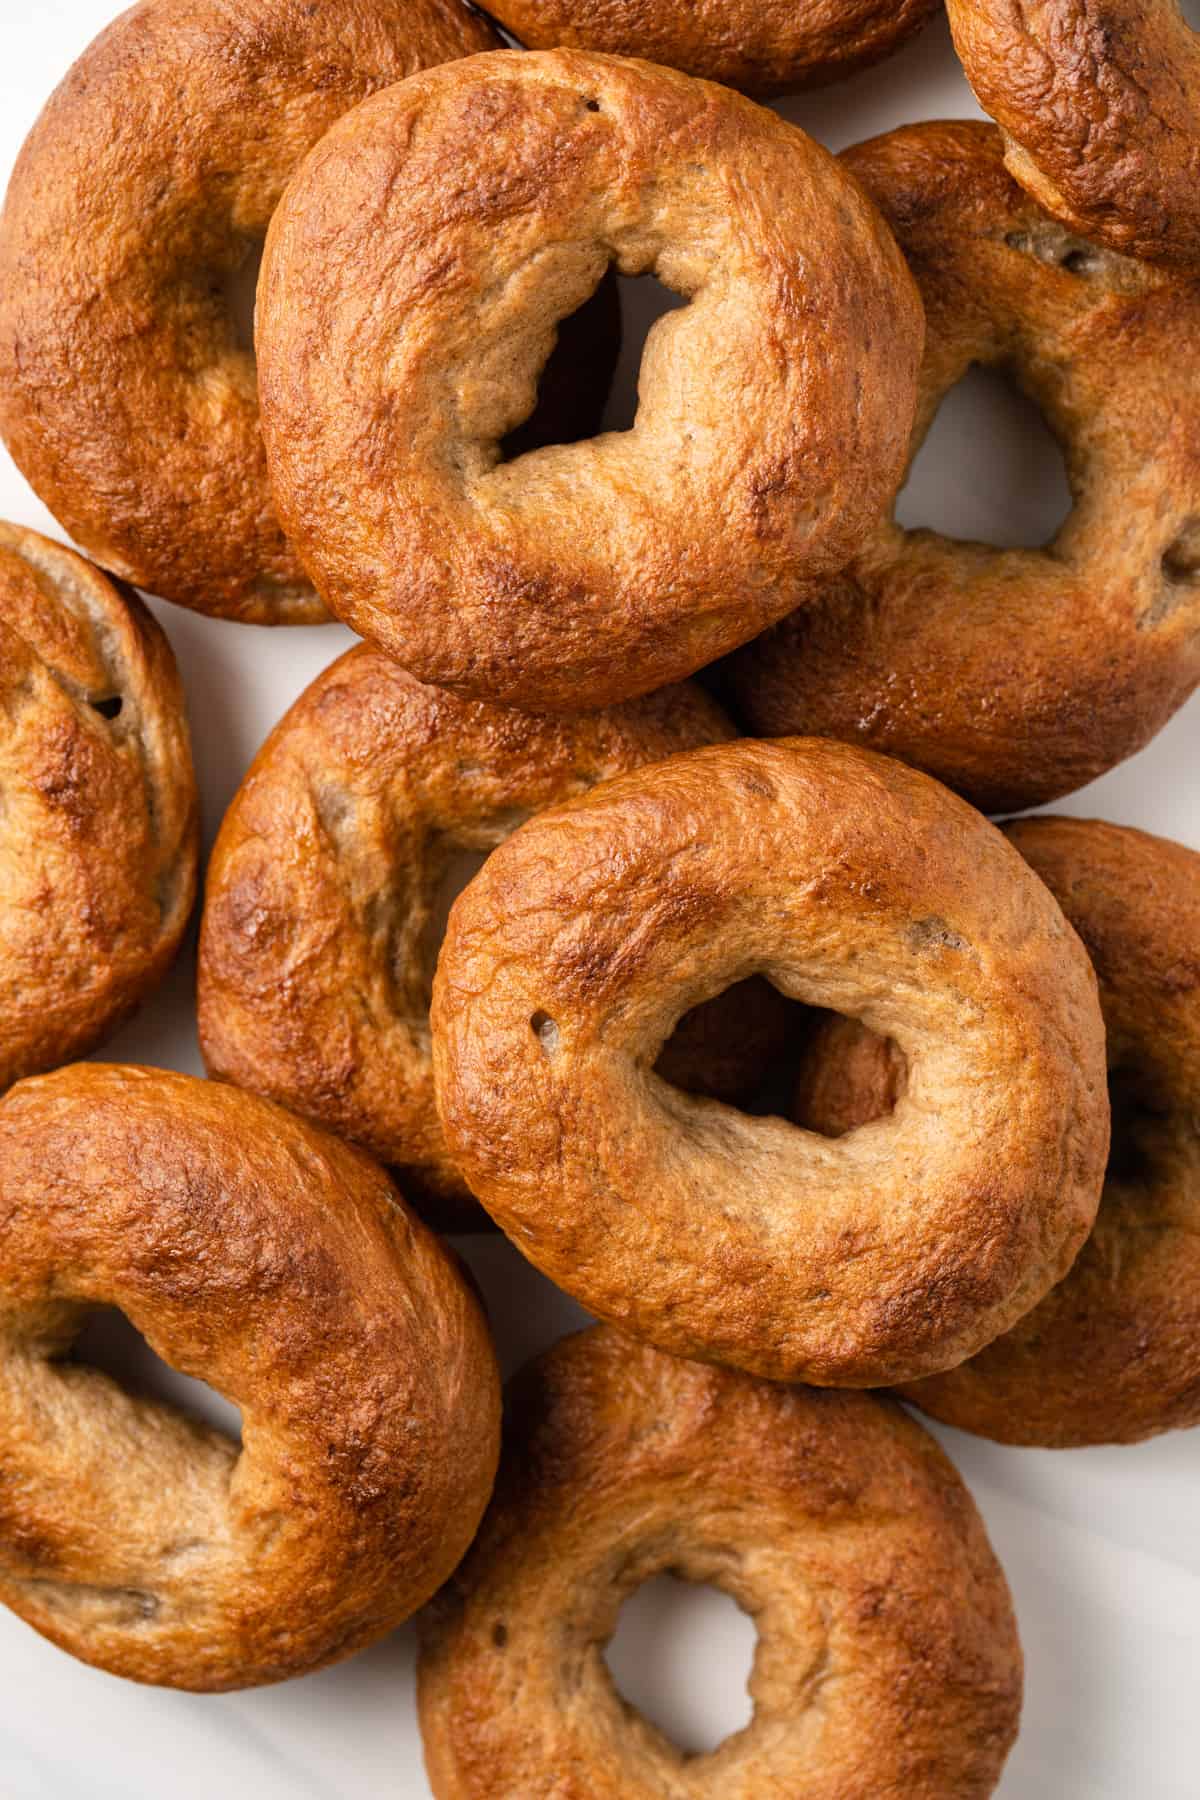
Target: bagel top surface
(1112, 1355)
(1014, 674)
(98, 828)
(139, 197)
(760, 46)
(406, 309)
(267, 1258)
(329, 882)
(850, 882)
(1101, 110)
(887, 1661)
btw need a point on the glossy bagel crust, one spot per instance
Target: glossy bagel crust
(1100, 105)
(853, 883)
(141, 192)
(773, 47)
(98, 823)
(887, 1666)
(324, 901)
(404, 315)
(261, 1255)
(1112, 1355)
(1015, 675)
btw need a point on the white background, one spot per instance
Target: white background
(1101, 1547)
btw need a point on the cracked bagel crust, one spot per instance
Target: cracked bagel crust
(760, 46)
(141, 193)
(1014, 675)
(263, 1256)
(1099, 101)
(99, 825)
(850, 882)
(405, 313)
(887, 1667)
(324, 897)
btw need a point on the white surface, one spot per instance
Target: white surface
(1101, 1547)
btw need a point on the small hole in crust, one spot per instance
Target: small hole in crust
(592, 105)
(681, 1655)
(500, 1634)
(545, 1031)
(110, 1344)
(989, 471)
(1181, 559)
(109, 707)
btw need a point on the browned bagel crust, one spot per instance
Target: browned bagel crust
(98, 826)
(404, 312)
(852, 883)
(1015, 675)
(888, 1665)
(772, 47)
(148, 181)
(263, 1256)
(1100, 105)
(322, 918)
(1112, 1355)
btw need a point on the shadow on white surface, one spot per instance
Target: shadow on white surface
(682, 1654)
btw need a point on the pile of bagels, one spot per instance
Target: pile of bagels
(748, 1027)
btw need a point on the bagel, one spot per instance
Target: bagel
(887, 1664)
(98, 826)
(141, 194)
(1014, 675)
(1112, 1355)
(771, 48)
(405, 310)
(324, 900)
(850, 882)
(1100, 108)
(263, 1256)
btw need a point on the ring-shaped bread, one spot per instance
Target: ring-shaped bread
(263, 1256)
(1100, 107)
(850, 882)
(136, 208)
(1112, 1354)
(887, 1662)
(98, 822)
(772, 47)
(1015, 675)
(328, 888)
(406, 309)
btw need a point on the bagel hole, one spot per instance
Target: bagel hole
(681, 1656)
(111, 1345)
(239, 292)
(644, 301)
(771, 1057)
(989, 471)
(574, 385)
(459, 870)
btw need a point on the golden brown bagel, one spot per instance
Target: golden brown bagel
(851, 882)
(98, 823)
(143, 190)
(1100, 106)
(325, 897)
(1015, 675)
(406, 308)
(888, 1664)
(773, 47)
(263, 1256)
(1112, 1355)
